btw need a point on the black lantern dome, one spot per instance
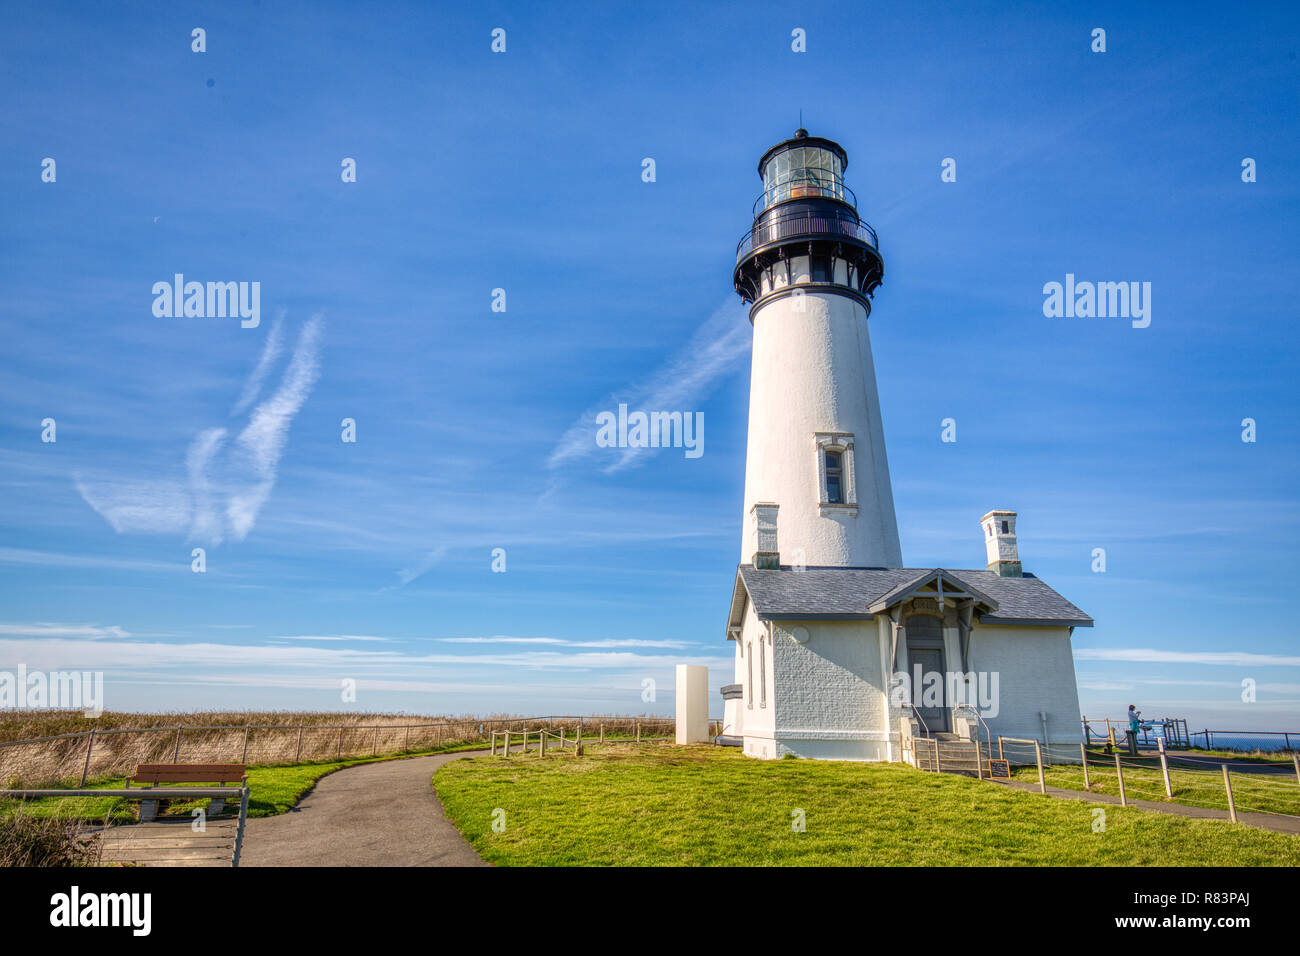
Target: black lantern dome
(806, 209)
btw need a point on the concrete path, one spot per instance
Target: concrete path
(378, 814)
(1265, 821)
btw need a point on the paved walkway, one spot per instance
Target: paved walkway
(378, 814)
(1265, 821)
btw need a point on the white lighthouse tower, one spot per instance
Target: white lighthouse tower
(817, 487)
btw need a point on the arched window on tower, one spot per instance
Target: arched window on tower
(834, 478)
(835, 482)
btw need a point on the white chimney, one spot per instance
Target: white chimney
(1000, 543)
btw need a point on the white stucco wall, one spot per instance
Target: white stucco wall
(812, 373)
(755, 667)
(1035, 667)
(830, 695)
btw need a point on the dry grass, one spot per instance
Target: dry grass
(49, 757)
(47, 840)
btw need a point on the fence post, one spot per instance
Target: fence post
(541, 743)
(1083, 752)
(1164, 768)
(1001, 755)
(407, 745)
(176, 755)
(602, 731)
(298, 754)
(507, 751)
(979, 762)
(338, 751)
(244, 759)
(638, 731)
(1119, 770)
(561, 736)
(1038, 755)
(1295, 759)
(89, 747)
(374, 749)
(1227, 785)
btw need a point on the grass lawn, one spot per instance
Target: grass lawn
(1252, 792)
(706, 806)
(272, 790)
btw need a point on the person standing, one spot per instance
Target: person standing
(1134, 725)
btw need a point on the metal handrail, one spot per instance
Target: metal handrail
(924, 725)
(804, 224)
(824, 181)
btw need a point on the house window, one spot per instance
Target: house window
(762, 673)
(820, 269)
(1004, 528)
(834, 478)
(749, 684)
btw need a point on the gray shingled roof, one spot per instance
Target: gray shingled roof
(848, 592)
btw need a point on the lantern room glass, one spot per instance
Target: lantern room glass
(802, 171)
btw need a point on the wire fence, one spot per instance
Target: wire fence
(78, 758)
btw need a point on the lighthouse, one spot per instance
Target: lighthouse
(833, 636)
(817, 491)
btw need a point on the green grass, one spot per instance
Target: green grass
(1251, 792)
(706, 806)
(272, 790)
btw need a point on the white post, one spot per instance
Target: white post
(1119, 769)
(1164, 767)
(1227, 785)
(692, 703)
(1038, 755)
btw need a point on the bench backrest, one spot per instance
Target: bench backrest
(189, 773)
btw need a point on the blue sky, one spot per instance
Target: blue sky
(476, 171)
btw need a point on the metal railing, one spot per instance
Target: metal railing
(1175, 733)
(801, 224)
(173, 842)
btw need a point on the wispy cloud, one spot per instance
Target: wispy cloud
(606, 642)
(423, 566)
(270, 352)
(226, 483)
(41, 629)
(1214, 658)
(329, 637)
(716, 349)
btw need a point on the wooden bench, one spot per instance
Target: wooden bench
(188, 774)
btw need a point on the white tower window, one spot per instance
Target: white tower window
(836, 488)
